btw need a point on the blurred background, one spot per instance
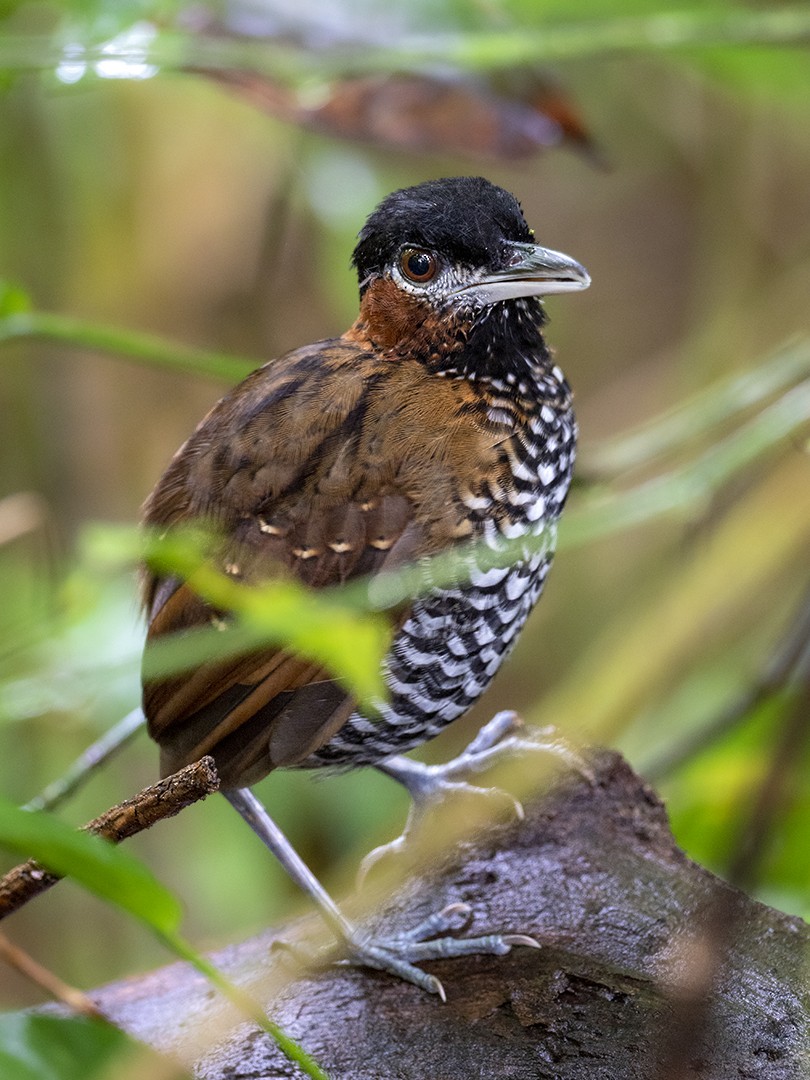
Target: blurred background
(199, 173)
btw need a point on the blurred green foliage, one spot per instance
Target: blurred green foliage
(50, 1048)
(138, 212)
(109, 872)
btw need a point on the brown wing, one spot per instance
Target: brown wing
(274, 467)
(327, 464)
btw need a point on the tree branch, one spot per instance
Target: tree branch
(158, 801)
(650, 967)
(45, 979)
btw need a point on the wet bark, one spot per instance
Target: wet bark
(651, 967)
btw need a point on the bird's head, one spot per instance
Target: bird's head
(443, 253)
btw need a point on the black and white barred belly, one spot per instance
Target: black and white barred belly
(455, 639)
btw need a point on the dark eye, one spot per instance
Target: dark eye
(418, 265)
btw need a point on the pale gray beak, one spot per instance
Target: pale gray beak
(531, 271)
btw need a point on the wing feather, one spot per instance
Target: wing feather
(276, 473)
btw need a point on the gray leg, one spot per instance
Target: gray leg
(398, 955)
(504, 736)
(243, 800)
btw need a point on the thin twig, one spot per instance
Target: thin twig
(98, 754)
(161, 800)
(45, 979)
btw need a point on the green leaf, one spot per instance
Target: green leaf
(34, 1047)
(107, 871)
(320, 625)
(120, 879)
(246, 1004)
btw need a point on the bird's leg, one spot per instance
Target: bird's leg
(243, 800)
(504, 736)
(398, 955)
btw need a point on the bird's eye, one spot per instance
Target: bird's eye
(418, 265)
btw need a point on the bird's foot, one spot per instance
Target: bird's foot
(400, 955)
(504, 736)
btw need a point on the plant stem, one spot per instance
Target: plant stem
(699, 416)
(144, 348)
(246, 1004)
(95, 756)
(45, 979)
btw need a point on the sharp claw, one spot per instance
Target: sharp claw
(498, 793)
(440, 922)
(368, 862)
(522, 939)
(571, 757)
(458, 907)
(401, 956)
(517, 806)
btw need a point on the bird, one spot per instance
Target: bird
(438, 421)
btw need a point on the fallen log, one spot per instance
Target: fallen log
(650, 967)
